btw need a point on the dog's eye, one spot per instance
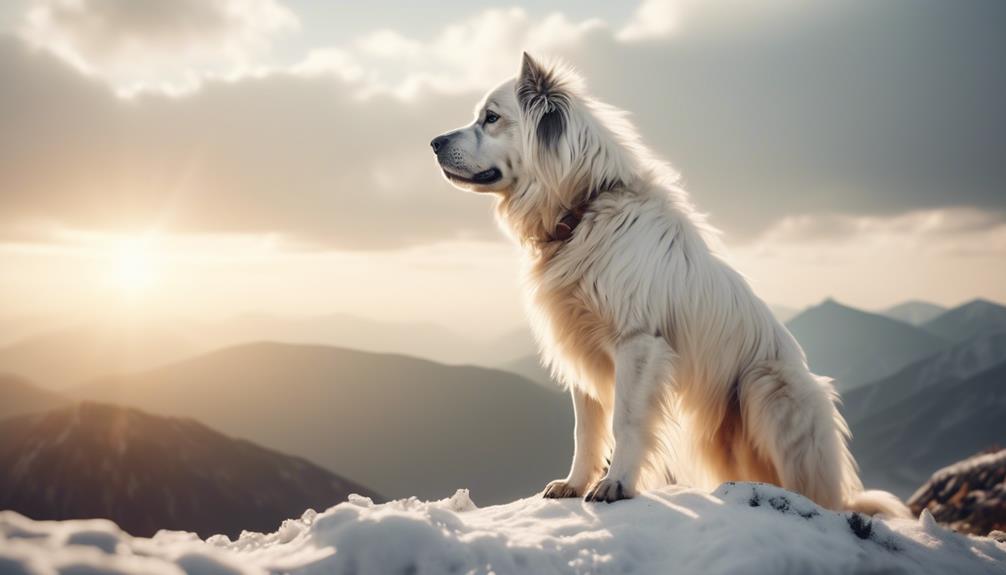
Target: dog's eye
(491, 117)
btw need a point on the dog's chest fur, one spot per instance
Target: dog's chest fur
(577, 337)
(585, 298)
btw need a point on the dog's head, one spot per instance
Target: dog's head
(538, 141)
(484, 156)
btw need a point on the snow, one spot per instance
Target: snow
(742, 527)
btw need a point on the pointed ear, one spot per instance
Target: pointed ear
(543, 99)
(533, 82)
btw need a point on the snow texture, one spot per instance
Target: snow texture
(740, 528)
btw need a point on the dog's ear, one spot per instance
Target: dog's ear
(543, 99)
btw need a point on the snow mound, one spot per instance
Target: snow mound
(741, 527)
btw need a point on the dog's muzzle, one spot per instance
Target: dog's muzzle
(450, 160)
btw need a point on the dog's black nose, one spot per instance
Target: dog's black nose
(438, 142)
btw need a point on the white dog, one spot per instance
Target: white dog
(678, 372)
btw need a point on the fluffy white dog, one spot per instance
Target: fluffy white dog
(678, 372)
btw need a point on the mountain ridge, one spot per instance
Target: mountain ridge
(148, 472)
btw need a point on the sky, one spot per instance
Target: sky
(207, 158)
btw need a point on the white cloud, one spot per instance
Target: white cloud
(659, 19)
(652, 19)
(471, 55)
(166, 45)
(946, 230)
(946, 255)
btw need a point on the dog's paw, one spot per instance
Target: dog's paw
(560, 489)
(608, 490)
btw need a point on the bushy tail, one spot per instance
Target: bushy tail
(874, 502)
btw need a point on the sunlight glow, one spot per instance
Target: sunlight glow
(134, 265)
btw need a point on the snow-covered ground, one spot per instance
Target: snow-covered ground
(740, 528)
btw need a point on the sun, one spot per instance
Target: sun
(133, 265)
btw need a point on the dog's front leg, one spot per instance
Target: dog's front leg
(643, 365)
(590, 448)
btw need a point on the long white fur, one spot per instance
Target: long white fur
(677, 370)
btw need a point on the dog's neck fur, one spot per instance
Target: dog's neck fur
(535, 217)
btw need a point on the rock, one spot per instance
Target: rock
(968, 496)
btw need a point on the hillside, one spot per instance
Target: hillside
(148, 473)
(426, 340)
(941, 370)
(530, 367)
(739, 528)
(401, 425)
(19, 396)
(900, 446)
(973, 319)
(914, 312)
(856, 347)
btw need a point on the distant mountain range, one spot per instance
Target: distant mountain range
(857, 347)
(530, 367)
(69, 356)
(66, 357)
(914, 312)
(426, 340)
(899, 446)
(148, 473)
(406, 426)
(973, 319)
(942, 370)
(19, 396)
(401, 425)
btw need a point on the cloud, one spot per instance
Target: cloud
(299, 157)
(655, 20)
(159, 44)
(946, 255)
(652, 19)
(947, 230)
(469, 56)
(783, 117)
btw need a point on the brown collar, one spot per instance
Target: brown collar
(563, 230)
(572, 217)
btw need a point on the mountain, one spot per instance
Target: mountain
(530, 367)
(969, 496)
(914, 312)
(513, 346)
(14, 328)
(943, 369)
(73, 355)
(856, 347)
(426, 340)
(148, 473)
(978, 317)
(19, 396)
(783, 313)
(66, 357)
(900, 446)
(401, 425)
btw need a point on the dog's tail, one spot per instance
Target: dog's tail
(874, 502)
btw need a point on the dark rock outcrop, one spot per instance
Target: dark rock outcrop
(969, 496)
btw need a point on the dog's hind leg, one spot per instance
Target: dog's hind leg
(795, 433)
(643, 367)
(592, 438)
